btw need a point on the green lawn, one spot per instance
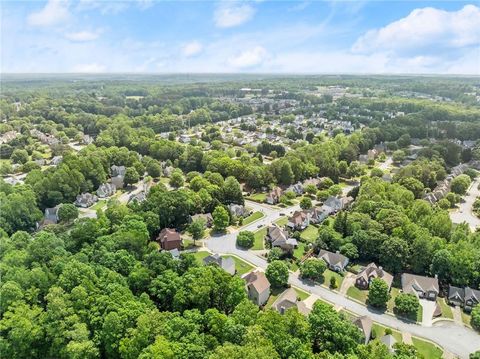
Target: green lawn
(298, 252)
(241, 266)
(259, 238)
(379, 331)
(328, 274)
(427, 349)
(391, 303)
(281, 222)
(188, 243)
(99, 205)
(358, 294)
(253, 217)
(446, 309)
(258, 197)
(301, 294)
(200, 255)
(310, 234)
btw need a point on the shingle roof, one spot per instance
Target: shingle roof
(412, 283)
(333, 258)
(258, 280)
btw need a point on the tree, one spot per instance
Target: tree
(176, 178)
(313, 269)
(394, 254)
(154, 169)
(19, 156)
(67, 212)
(197, 229)
(378, 295)
(475, 319)
(349, 250)
(333, 282)
(328, 238)
(407, 304)
(275, 253)
(232, 193)
(460, 184)
(398, 156)
(245, 239)
(131, 176)
(413, 185)
(305, 203)
(277, 274)
(221, 219)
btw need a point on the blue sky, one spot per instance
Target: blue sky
(241, 36)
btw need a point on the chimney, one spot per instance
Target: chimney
(436, 276)
(337, 252)
(282, 310)
(380, 268)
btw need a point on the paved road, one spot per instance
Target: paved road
(456, 339)
(464, 211)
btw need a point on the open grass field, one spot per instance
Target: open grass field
(99, 205)
(298, 252)
(200, 255)
(253, 217)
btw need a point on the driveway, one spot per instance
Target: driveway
(456, 339)
(428, 307)
(464, 211)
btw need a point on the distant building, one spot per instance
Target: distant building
(237, 210)
(289, 299)
(277, 237)
(207, 217)
(466, 297)
(299, 220)
(85, 200)
(106, 190)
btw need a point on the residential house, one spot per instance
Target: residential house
(118, 176)
(106, 190)
(423, 287)
(389, 342)
(258, 287)
(237, 210)
(464, 297)
(138, 197)
(370, 272)
(169, 239)
(85, 200)
(207, 217)
(365, 324)
(226, 263)
(51, 215)
(56, 160)
(335, 261)
(372, 154)
(317, 216)
(289, 299)
(296, 188)
(277, 237)
(87, 139)
(274, 196)
(175, 253)
(337, 203)
(363, 159)
(299, 220)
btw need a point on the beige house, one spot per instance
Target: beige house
(258, 287)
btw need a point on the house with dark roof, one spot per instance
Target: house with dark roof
(274, 196)
(169, 238)
(106, 190)
(463, 297)
(237, 210)
(51, 215)
(299, 220)
(365, 324)
(370, 272)
(226, 263)
(456, 296)
(335, 261)
(207, 217)
(317, 216)
(296, 188)
(85, 200)
(421, 286)
(277, 237)
(258, 287)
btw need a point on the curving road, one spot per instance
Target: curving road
(456, 339)
(464, 212)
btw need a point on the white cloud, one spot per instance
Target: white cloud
(89, 68)
(232, 14)
(426, 30)
(192, 48)
(82, 36)
(249, 58)
(54, 12)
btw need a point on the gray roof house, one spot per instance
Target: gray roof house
(207, 217)
(289, 299)
(56, 160)
(472, 298)
(423, 287)
(456, 295)
(237, 210)
(296, 188)
(106, 190)
(335, 261)
(389, 342)
(280, 238)
(51, 215)
(226, 263)
(464, 297)
(370, 272)
(85, 200)
(118, 170)
(299, 220)
(365, 324)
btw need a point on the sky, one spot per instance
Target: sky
(146, 36)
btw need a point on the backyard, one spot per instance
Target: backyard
(310, 234)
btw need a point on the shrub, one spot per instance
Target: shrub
(245, 239)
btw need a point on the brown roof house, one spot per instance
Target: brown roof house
(422, 287)
(370, 272)
(169, 239)
(274, 196)
(277, 237)
(299, 220)
(335, 261)
(365, 324)
(289, 299)
(258, 287)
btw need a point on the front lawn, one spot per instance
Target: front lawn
(427, 349)
(258, 197)
(446, 309)
(378, 331)
(358, 294)
(310, 234)
(329, 274)
(301, 294)
(253, 217)
(99, 205)
(241, 266)
(200, 255)
(281, 222)
(393, 294)
(259, 238)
